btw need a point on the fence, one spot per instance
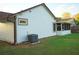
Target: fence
(75, 29)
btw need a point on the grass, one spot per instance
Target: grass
(57, 45)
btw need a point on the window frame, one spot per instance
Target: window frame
(22, 19)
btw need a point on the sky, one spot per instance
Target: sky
(57, 8)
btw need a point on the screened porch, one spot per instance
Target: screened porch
(62, 28)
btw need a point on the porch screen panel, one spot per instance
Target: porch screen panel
(65, 26)
(58, 27)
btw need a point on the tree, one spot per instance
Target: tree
(66, 15)
(77, 22)
(76, 17)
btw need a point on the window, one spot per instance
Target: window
(68, 26)
(65, 26)
(22, 21)
(54, 27)
(58, 27)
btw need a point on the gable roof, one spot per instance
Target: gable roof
(5, 16)
(43, 4)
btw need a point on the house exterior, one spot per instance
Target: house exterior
(36, 20)
(40, 21)
(62, 28)
(66, 25)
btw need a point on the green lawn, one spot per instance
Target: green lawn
(57, 45)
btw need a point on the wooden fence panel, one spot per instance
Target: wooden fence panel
(75, 29)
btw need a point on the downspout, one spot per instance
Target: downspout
(15, 30)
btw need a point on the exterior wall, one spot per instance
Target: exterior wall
(40, 22)
(7, 32)
(63, 32)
